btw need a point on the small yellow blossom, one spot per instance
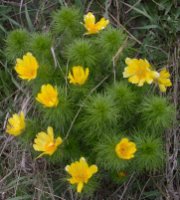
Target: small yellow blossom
(46, 142)
(91, 26)
(125, 149)
(48, 96)
(138, 71)
(79, 75)
(122, 174)
(80, 172)
(163, 80)
(27, 67)
(16, 124)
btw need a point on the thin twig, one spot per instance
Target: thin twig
(125, 187)
(89, 5)
(116, 57)
(143, 188)
(120, 25)
(49, 193)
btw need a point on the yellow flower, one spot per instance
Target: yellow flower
(122, 174)
(91, 26)
(163, 80)
(138, 71)
(80, 172)
(27, 67)
(46, 142)
(16, 124)
(79, 75)
(125, 149)
(48, 96)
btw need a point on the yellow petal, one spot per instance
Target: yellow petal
(102, 24)
(93, 169)
(124, 140)
(50, 132)
(89, 20)
(72, 180)
(67, 168)
(86, 73)
(128, 60)
(58, 141)
(162, 88)
(133, 79)
(80, 187)
(37, 147)
(42, 136)
(141, 82)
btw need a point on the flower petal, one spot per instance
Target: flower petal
(80, 187)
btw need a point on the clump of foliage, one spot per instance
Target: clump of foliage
(82, 108)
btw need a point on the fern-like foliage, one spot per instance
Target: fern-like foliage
(157, 112)
(100, 115)
(17, 44)
(41, 44)
(124, 97)
(67, 20)
(81, 52)
(150, 155)
(111, 41)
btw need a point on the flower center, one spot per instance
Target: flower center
(50, 146)
(123, 150)
(81, 177)
(141, 72)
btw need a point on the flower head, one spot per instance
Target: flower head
(48, 96)
(27, 67)
(125, 149)
(122, 174)
(80, 172)
(16, 124)
(138, 71)
(91, 26)
(163, 80)
(79, 75)
(46, 142)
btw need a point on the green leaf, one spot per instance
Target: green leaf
(29, 22)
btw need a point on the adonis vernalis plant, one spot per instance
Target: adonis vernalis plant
(46, 142)
(100, 101)
(27, 67)
(16, 124)
(125, 149)
(163, 80)
(92, 26)
(48, 96)
(78, 75)
(139, 71)
(80, 172)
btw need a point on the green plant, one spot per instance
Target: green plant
(17, 44)
(67, 20)
(156, 112)
(150, 155)
(90, 124)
